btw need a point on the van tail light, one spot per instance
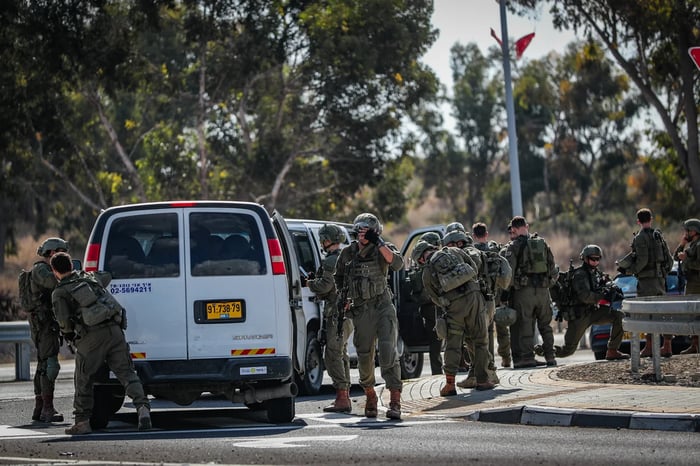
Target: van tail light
(92, 257)
(276, 257)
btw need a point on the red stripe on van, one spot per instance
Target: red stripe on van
(276, 257)
(252, 352)
(92, 257)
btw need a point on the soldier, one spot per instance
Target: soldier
(361, 280)
(96, 343)
(534, 272)
(481, 241)
(44, 331)
(426, 307)
(650, 261)
(688, 254)
(589, 286)
(450, 277)
(334, 338)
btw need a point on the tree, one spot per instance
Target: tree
(649, 40)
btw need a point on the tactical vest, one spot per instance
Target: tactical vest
(327, 268)
(660, 259)
(367, 275)
(96, 305)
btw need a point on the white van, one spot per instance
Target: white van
(213, 302)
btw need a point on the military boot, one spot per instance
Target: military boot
(693, 348)
(468, 382)
(38, 406)
(371, 402)
(394, 411)
(79, 428)
(646, 352)
(48, 412)
(449, 389)
(666, 351)
(341, 404)
(144, 414)
(506, 361)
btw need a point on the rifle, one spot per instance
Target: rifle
(344, 305)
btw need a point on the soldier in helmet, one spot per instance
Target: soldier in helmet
(425, 304)
(361, 280)
(335, 356)
(465, 310)
(592, 296)
(45, 331)
(688, 254)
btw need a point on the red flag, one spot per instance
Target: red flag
(522, 43)
(493, 34)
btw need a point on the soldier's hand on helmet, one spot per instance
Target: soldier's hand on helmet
(372, 236)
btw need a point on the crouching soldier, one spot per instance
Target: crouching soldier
(92, 319)
(592, 294)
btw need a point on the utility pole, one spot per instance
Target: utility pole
(515, 194)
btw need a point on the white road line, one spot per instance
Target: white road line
(292, 442)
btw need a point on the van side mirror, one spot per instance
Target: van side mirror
(77, 265)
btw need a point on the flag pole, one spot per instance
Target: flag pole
(515, 193)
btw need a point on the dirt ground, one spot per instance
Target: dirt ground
(679, 370)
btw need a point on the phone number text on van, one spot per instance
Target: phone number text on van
(125, 288)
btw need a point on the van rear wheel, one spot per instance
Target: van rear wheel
(411, 365)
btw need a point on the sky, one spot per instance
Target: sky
(467, 21)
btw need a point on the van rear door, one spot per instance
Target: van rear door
(295, 290)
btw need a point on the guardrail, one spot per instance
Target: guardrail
(659, 315)
(17, 332)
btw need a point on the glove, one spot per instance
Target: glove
(372, 236)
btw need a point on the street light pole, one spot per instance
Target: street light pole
(515, 194)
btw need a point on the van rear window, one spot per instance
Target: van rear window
(225, 244)
(143, 246)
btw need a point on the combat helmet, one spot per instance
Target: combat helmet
(455, 226)
(591, 250)
(433, 238)
(332, 233)
(420, 249)
(367, 220)
(692, 224)
(456, 235)
(51, 244)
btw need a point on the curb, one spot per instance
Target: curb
(562, 417)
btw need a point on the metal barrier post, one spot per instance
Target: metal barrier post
(23, 354)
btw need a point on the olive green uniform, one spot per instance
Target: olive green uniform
(335, 356)
(95, 346)
(44, 329)
(427, 311)
(530, 297)
(587, 284)
(361, 274)
(466, 314)
(648, 268)
(691, 266)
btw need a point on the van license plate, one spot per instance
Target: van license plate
(224, 310)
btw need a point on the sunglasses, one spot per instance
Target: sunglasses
(593, 258)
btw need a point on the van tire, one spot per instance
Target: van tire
(312, 380)
(108, 400)
(411, 365)
(280, 410)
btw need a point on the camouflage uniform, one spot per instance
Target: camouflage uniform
(587, 283)
(466, 314)
(361, 273)
(690, 267)
(335, 356)
(46, 338)
(530, 297)
(427, 312)
(95, 346)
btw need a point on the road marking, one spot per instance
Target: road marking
(294, 442)
(13, 432)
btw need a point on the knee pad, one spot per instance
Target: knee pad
(52, 368)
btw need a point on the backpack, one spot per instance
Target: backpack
(450, 269)
(97, 305)
(661, 252)
(537, 255)
(498, 269)
(26, 298)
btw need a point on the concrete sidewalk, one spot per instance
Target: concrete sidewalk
(539, 397)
